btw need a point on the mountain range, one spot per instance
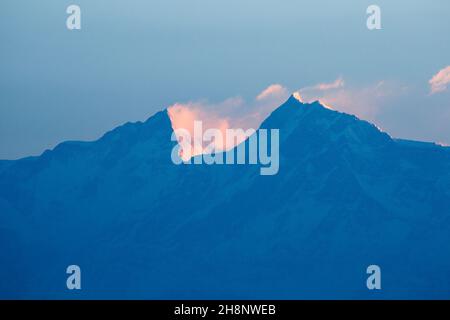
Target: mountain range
(346, 196)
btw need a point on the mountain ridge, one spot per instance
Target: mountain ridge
(346, 196)
(292, 100)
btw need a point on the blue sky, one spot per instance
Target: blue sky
(132, 58)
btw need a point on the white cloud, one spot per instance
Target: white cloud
(439, 82)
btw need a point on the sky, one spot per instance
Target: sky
(133, 58)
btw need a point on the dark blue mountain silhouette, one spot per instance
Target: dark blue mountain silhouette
(346, 196)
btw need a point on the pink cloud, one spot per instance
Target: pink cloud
(232, 113)
(184, 115)
(438, 83)
(272, 91)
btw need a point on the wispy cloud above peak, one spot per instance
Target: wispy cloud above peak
(336, 84)
(439, 82)
(273, 91)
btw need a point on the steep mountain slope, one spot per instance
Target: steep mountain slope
(346, 196)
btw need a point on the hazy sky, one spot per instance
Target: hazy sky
(132, 58)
